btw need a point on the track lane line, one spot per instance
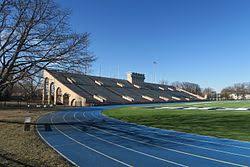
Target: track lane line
(118, 145)
(94, 150)
(169, 149)
(54, 148)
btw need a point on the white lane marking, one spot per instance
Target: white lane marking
(173, 150)
(60, 153)
(96, 151)
(181, 143)
(187, 138)
(191, 145)
(241, 109)
(118, 145)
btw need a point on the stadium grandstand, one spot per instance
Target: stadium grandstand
(62, 88)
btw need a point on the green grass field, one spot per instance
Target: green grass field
(229, 104)
(226, 124)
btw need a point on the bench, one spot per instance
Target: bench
(27, 122)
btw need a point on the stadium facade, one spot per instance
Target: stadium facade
(62, 88)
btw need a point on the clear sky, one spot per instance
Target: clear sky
(201, 41)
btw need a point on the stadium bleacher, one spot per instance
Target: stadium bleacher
(102, 90)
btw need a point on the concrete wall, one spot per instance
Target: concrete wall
(68, 97)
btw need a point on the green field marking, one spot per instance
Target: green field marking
(226, 124)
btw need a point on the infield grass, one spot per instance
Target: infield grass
(226, 104)
(225, 124)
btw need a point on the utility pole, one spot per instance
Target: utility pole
(118, 71)
(100, 70)
(154, 70)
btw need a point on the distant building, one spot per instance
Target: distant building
(240, 97)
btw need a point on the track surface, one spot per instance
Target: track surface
(87, 138)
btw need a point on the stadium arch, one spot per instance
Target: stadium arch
(56, 92)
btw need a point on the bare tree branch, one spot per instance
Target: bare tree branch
(34, 35)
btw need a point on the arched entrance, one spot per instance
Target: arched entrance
(59, 96)
(66, 99)
(52, 93)
(73, 102)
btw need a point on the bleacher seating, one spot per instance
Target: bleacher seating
(103, 90)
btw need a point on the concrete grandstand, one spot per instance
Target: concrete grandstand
(84, 90)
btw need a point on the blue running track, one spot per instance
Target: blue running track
(85, 137)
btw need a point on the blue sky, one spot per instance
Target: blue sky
(201, 41)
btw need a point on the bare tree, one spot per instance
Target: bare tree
(32, 87)
(227, 92)
(208, 92)
(35, 34)
(188, 86)
(163, 82)
(240, 90)
(177, 84)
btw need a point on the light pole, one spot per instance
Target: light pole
(118, 71)
(100, 70)
(154, 69)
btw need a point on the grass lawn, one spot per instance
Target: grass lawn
(19, 148)
(229, 104)
(226, 124)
